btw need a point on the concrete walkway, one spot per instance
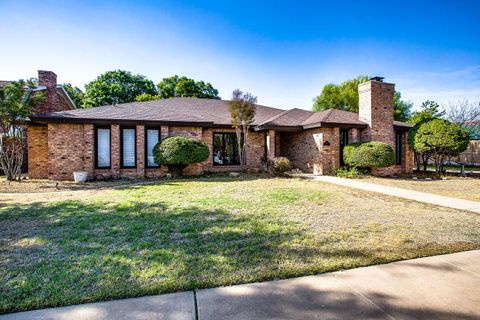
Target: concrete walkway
(440, 287)
(455, 203)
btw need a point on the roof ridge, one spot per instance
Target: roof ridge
(275, 117)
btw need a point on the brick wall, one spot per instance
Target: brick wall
(66, 150)
(37, 152)
(313, 151)
(57, 150)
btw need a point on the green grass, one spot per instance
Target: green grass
(201, 233)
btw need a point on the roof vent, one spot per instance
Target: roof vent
(379, 79)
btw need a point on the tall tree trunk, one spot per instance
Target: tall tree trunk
(244, 147)
(238, 132)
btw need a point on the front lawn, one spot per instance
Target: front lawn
(457, 187)
(198, 233)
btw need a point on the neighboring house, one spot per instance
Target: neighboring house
(471, 156)
(117, 141)
(56, 99)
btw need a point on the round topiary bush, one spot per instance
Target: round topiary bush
(179, 152)
(279, 165)
(372, 154)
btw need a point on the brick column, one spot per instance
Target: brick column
(408, 157)
(331, 153)
(164, 132)
(88, 149)
(207, 138)
(140, 151)
(115, 150)
(270, 144)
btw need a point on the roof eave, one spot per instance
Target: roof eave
(46, 120)
(335, 125)
(277, 128)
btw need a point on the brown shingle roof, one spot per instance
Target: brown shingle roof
(332, 116)
(288, 118)
(203, 112)
(173, 110)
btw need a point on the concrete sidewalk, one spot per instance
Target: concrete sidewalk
(425, 197)
(440, 287)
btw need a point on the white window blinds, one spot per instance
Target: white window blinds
(103, 148)
(152, 140)
(128, 148)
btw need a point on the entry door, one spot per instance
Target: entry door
(343, 143)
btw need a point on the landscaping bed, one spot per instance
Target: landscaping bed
(197, 233)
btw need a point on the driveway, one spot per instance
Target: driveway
(439, 287)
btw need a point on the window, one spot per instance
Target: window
(128, 148)
(102, 143)
(398, 147)
(152, 137)
(225, 149)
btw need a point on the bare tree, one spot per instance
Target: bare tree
(462, 112)
(242, 113)
(16, 100)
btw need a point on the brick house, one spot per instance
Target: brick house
(117, 141)
(56, 99)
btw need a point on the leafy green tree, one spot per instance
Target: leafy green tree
(146, 97)
(430, 110)
(442, 139)
(114, 87)
(75, 94)
(402, 109)
(185, 87)
(242, 113)
(179, 152)
(16, 101)
(345, 97)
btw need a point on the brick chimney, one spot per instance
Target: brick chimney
(47, 79)
(53, 101)
(376, 108)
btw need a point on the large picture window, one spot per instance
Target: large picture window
(102, 143)
(398, 147)
(152, 137)
(128, 147)
(225, 149)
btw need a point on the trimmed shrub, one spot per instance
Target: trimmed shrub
(372, 154)
(279, 165)
(179, 152)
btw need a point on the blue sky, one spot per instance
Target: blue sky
(281, 51)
